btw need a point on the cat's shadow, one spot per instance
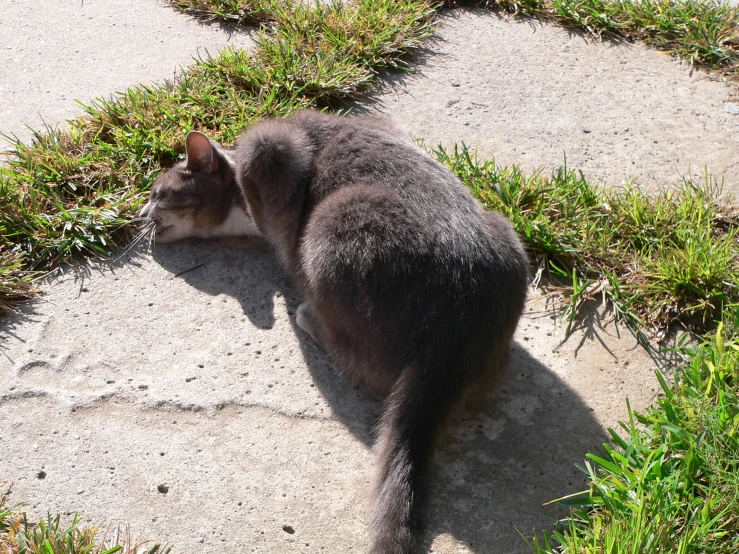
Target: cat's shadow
(494, 469)
(247, 270)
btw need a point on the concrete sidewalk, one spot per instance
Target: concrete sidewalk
(172, 392)
(58, 51)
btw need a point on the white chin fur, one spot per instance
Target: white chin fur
(172, 234)
(237, 224)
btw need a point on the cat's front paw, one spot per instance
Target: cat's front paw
(306, 320)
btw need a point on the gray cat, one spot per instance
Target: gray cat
(407, 282)
(199, 197)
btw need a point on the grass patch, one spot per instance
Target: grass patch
(16, 284)
(669, 481)
(704, 32)
(235, 11)
(51, 536)
(72, 193)
(659, 260)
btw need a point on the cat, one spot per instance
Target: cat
(407, 282)
(199, 197)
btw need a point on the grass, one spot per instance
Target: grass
(16, 284)
(51, 536)
(233, 11)
(658, 260)
(72, 193)
(669, 481)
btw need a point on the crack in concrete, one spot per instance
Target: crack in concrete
(77, 402)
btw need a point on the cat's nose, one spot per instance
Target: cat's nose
(145, 210)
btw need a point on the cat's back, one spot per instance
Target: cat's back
(373, 151)
(365, 182)
(373, 186)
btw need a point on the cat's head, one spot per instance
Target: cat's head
(198, 197)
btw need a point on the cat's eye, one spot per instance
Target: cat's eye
(171, 205)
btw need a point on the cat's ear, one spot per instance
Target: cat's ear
(200, 153)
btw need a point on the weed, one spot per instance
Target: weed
(669, 481)
(659, 260)
(52, 536)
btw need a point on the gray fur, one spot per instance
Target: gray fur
(199, 197)
(407, 282)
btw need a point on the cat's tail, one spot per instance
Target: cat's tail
(415, 409)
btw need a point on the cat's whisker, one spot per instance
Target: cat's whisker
(148, 230)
